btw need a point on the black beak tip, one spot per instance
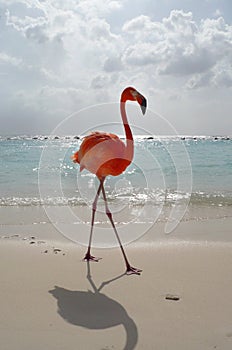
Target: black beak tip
(143, 105)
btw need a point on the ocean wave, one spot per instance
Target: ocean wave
(212, 199)
(132, 197)
(37, 201)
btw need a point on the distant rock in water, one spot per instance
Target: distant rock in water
(76, 137)
(226, 138)
(150, 138)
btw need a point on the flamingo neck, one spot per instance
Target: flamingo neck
(129, 137)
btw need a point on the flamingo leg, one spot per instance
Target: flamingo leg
(129, 269)
(88, 256)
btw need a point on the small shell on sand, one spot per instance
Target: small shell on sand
(172, 297)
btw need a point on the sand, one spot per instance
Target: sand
(51, 299)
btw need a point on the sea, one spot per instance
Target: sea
(171, 178)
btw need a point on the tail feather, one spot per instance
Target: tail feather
(75, 157)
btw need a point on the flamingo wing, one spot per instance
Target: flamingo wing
(102, 154)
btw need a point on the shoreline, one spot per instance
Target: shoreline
(22, 223)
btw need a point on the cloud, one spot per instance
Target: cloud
(50, 100)
(99, 29)
(200, 80)
(222, 77)
(217, 13)
(65, 42)
(143, 27)
(178, 46)
(8, 59)
(113, 64)
(62, 55)
(24, 24)
(46, 22)
(99, 82)
(93, 8)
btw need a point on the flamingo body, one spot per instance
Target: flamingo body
(102, 154)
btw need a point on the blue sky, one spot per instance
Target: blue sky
(57, 57)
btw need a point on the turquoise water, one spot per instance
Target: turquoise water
(37, 171)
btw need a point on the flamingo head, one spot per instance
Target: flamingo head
(132, 94)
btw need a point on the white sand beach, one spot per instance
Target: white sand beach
(51, 299)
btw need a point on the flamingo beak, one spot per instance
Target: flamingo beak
(143, 104)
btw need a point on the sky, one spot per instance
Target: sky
(59, 57)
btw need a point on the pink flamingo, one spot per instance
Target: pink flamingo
(105, 154)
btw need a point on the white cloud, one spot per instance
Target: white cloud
(222, 76)
(46, 23)
(66, 53)
(113, 64)
(99, 29)
(200, 80)
(100, 82)
(143, 28)
(8, 59)
(217, 13)
(50, 100)
(24, 24)
(180, 46)
(93, 8)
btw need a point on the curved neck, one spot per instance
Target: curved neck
(129, 137)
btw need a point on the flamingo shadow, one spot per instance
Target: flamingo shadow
(95, 310)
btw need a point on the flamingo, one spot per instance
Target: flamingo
(105, 154)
